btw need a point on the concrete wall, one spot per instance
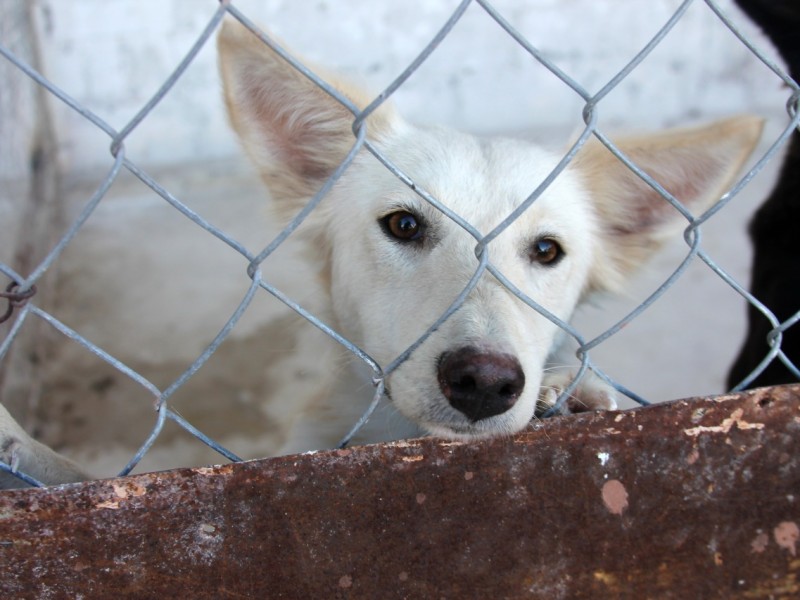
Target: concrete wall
(112, 56)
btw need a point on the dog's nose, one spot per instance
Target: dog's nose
(480, 384)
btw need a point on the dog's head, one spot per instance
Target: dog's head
(394, 263)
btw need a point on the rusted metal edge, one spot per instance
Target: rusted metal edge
(692, 499)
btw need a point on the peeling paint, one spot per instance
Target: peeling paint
(605, 577)
(786, 535)
(129, 488)
(615, 496)
(726, 425)
(412, 458)
(759, 543)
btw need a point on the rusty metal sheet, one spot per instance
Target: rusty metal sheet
(693, 499)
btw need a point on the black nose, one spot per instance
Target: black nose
(480, 384)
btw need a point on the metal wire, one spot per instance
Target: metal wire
(23, 305)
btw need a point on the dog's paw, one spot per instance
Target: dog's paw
(10, 449)
(23, 454)
(591, 394)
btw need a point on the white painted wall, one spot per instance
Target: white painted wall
(112, 56)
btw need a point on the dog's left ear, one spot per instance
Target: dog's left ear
(696, 166)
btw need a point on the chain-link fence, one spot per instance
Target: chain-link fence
(23, 304)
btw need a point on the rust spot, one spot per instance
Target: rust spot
(615, 496)
(759, 543)
(786, 535)
(718, 559)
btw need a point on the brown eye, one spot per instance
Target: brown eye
(546, 251)
(403, 226)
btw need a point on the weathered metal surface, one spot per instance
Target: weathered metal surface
(695, 499)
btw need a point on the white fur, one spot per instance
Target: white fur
(383, 294)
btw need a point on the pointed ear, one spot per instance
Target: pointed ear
(294, 131)
(696, 166)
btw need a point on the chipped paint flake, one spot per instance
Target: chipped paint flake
(759, 543)
(727, 424)
(450, 444)
(606, 577)
(786, 535)
(413, 458)
(108, 504)
(128, 489)
(615, 496)
(603, 457)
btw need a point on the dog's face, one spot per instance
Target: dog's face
(395, 263)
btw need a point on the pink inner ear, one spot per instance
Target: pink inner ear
(688, 183)
(300, 138)
(283, 138)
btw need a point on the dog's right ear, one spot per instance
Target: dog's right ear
(294, 131)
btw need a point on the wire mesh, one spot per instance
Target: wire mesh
(23, 303)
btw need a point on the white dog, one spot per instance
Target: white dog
(392, 264)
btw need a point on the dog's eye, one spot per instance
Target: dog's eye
(403, 226)
(546, 251)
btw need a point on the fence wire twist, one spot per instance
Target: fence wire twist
(20, 292)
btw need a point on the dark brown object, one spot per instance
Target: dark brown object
(773, 230)
(694, 499)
